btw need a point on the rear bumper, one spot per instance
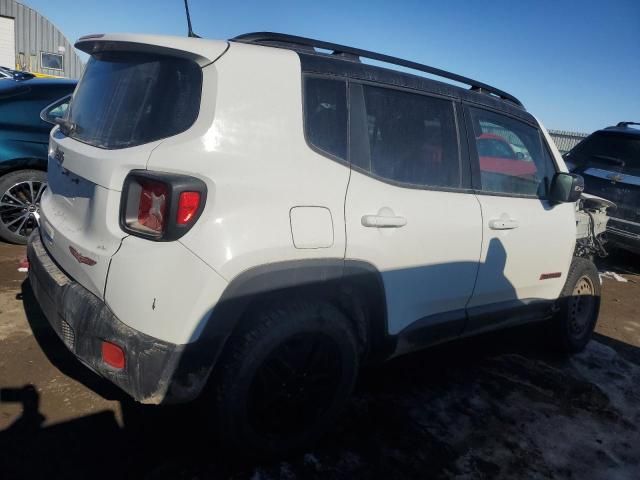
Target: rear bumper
(155, 371)
(624, 234)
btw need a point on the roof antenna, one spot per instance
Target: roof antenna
(190, 33)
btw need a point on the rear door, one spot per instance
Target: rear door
(124, 106)
(407, 211)
(527, 241)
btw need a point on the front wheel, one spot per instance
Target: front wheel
(20, 194)
(579, 306)
(284, 380)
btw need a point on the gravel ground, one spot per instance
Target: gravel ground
(497, 406)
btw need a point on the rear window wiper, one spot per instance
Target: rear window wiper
(606, 158)
(67, 127)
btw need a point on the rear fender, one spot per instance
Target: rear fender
(355, 287)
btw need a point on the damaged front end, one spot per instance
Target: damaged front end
(591, 225)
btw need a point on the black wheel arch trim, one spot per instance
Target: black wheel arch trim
(335, 275)
(345, 280)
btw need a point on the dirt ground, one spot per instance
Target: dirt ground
(498, 406)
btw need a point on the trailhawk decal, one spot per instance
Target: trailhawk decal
(81, 258)
(547, 276)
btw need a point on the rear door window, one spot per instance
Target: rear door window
(511, 156)
(126, 99)
(410, 138)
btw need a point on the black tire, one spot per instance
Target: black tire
(20, 193)
(284, 379)
(579, 307)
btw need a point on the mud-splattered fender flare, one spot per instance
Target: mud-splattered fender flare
(356, 286)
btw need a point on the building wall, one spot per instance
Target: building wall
(35, 34)
(565, 141)
(7, 37)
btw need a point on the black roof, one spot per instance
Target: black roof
(345, 61)
(623, 128)
(323, 64)
(49, 82)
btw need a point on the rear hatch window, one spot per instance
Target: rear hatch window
(128, 98)
(619, 153)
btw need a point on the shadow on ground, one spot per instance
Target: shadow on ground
(620, 261)
(496, 406)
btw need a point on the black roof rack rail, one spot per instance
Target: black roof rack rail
(626, 124)
(281, 39)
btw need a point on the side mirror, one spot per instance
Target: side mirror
(519, 156)
(566, 187)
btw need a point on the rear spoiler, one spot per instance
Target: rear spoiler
(201, 51)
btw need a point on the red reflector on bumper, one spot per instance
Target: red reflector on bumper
(113, 355)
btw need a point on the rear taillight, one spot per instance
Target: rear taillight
(188, 205)
(160, 206)
(152, 206)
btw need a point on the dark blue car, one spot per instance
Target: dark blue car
(609, 161)
(28, 109)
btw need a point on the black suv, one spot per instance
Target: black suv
(609, 161)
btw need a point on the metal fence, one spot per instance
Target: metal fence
(565, 141)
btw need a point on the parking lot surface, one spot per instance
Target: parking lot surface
(498, 406)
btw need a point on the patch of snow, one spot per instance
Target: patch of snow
(612, 276)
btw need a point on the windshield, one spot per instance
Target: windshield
(126, 99)
(620, 152)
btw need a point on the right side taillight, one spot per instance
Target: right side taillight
(160, 206)
(152, 206)
(188, 204)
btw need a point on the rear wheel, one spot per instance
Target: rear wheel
(20, 194)
(284, 380)
(579, 306)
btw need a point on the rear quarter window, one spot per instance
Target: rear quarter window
(325, 115)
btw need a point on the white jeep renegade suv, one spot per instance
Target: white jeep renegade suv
(260, 218)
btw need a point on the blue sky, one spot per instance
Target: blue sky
(574, 64)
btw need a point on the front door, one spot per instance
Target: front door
(406, 213)
(527, 242)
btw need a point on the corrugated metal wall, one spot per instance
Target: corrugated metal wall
(565, 141)
(36, 34)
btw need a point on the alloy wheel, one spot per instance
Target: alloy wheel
(19, 206)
